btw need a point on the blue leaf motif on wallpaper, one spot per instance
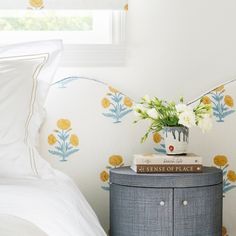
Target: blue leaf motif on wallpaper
(62, 141)
(117, 105)
(222, 104)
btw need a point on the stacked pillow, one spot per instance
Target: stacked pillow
(26, 72)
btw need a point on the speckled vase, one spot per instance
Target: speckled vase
(176, 140)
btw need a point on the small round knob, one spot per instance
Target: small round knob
(162, 203)
(185, 203)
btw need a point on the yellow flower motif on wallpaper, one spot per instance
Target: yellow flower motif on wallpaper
(224, 231)
(74, 140)
(119, 105)
(229, 101)
(113, 90)
(206, 100)
(63, 124)
(52, 139)
(38, 4)
(63, 142)
(128, 102)
(221, 161)
(231, 176)
(106, 102)
(221, 104)
(114, 161)
(104, 176)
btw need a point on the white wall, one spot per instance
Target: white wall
(175, 48)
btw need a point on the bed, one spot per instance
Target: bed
(11, 225)
(35, 199)
(45, 207)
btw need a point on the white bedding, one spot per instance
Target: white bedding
(56, 206)
(13, 226)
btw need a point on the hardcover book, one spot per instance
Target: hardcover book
(167, 168)
(162, 159)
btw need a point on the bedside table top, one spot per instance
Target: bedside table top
(127, 177)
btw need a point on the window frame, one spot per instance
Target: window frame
(94, 55)
(99, 54)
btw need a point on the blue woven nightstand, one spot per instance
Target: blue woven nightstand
(166, 204)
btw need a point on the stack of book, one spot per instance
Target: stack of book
(161, 163)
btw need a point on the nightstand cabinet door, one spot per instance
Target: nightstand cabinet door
(198, 211)
(139, 211)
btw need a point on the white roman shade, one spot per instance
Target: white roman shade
(93, 31)
(64, 4)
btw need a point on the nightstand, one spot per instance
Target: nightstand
(166, 204)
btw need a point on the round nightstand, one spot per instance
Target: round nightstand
(177, 204)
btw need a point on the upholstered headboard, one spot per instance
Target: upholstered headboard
(89, 129)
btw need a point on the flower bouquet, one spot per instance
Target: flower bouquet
(174, 119)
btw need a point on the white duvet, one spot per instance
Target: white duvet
(56, 206)
(13, 226)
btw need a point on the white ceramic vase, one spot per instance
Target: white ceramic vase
(176, 140)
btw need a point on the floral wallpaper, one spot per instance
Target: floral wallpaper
(222, 103)
(224, 231)
(229, 175)
(63, 141)
(221, 161)
(36, 4)
(116, 105)
(114, 161)
(103, 146)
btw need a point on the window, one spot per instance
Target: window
(91, 37)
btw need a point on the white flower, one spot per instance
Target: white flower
(186, 115)
(181, 107)
(187, 118)
(146, 98)
(205, 123)
(139, 108)
(152, 113)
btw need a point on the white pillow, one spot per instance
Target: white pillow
(26, 71)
